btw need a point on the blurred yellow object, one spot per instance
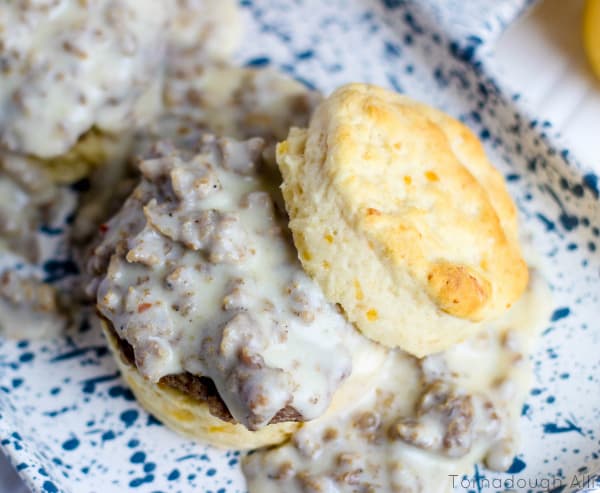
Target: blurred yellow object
(591, 34)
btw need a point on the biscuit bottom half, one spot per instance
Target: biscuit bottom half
(191, 417)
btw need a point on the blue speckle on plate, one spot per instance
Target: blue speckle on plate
(108, 435)
(50, 487)
(560, 313)
(129, 417)
(59, 269)
(138, 458)
(134, 483)
(517, 466)
(569, 426)
(262, 61)
(70, 444)
(26, 357)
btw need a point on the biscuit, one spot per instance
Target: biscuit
(399, 216)
(93, 150)
(190, 417)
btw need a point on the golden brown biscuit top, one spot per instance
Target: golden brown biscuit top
(417, 183)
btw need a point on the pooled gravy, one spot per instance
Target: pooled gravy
(55, 59)
(27, 198)
(69, 65)
(199, 274)
(29, 308)
(227, 100)
(419, 421)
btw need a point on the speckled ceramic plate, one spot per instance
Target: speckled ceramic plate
(68, 423)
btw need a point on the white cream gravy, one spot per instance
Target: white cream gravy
(198, 273)
(419, 421)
